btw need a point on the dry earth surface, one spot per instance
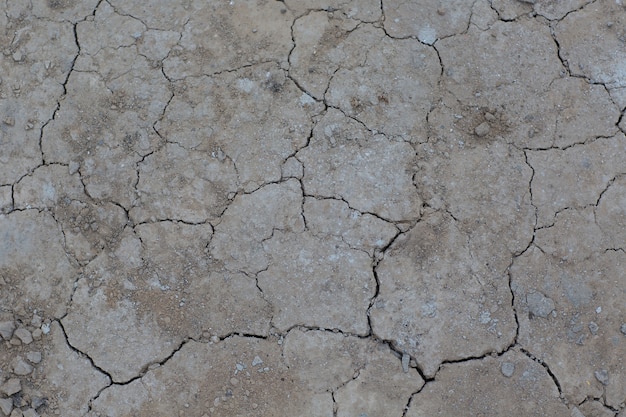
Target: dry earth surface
(312, 208)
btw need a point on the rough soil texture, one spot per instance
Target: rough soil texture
(312, 208)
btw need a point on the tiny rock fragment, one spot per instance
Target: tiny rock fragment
(30, 413)
(482, 129)
(7, 328)
(602, 375)
(21, 367)
(9, 121)
(257, 361)
(73, 167)
(405, 362)
(622, 329)
(490, 117)
(17, 413)
(11, 387)
(539, 305)
(507, 369)
(34, 357)
(24, 335)
(6, 405)
(36, 320)
(37, 334)
(37, 402)
(593, 328)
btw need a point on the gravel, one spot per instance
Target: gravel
(6, 405)
(405, 362)
(24, 335)
(482, 129)
(6, 329)
(21, 367)
(602, 375)
(539, 305)
(507, 369)
(12, 386)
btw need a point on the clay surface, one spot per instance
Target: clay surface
(312, 208)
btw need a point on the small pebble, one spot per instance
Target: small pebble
(507, 369)
(73, 167)
(30, 413)
(622, 329)
(34, 357)
(12, 386)
(6, 329)
(36, 320)
(6, 405)
(405, 362)
(482, 129)
(593, 328)
(234, 381)
(37, 334)
(603, 376)
(45, 328)
(257, 361)
(37, 402)
(24, 335)
(490, 117)
(21, 367)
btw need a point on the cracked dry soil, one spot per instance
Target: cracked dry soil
(312, 208)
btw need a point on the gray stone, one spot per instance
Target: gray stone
(507, 369)
(24, 335)
(6, 405)
(602, 375)
(12, 386)
(482, 129)
(539, 305)
(34, 357)
(6, 329)
(21, 367)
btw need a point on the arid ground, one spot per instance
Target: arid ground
(351, 208)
